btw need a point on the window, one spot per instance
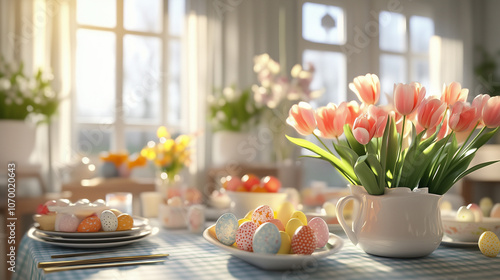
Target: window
(128, 72)
(404, 52)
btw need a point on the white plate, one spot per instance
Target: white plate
(279, 262)
(450, 243)
(145, 231)
(335, 228)
(139, 224)
(90, 245)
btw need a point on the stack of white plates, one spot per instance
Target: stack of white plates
(101, 239)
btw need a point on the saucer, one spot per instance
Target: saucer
(451, 243)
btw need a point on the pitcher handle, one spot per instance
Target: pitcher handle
(350, 231)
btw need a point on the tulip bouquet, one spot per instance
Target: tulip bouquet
(417, 141)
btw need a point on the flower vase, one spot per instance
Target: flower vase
(401, 223)
(169, 186)
(229, 147)
(17, 142)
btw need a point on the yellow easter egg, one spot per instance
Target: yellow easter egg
(241, 221)
(285, 211)
(125, 222)
(248, 216)
(301, 216)
(286, 243)
(212, 233)
(489, 244)
(292, 226)
(275, 214)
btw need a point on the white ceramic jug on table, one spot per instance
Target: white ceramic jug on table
(400, 223)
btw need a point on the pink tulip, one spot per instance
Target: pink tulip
(430, 113)
(364, 128)
(331, 120)
(491, 112)
(453, 93)
(353, 111)
(478, 103)
(380, 115)
(407, 97)
(301, 117)
(367, 88)
(463, 117)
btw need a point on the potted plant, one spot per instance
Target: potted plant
(232, 114)
(24, 101)
(399, 159)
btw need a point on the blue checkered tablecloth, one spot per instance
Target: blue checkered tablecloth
(192, 257)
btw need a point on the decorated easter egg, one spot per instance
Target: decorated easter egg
(66, 222)
(262, 214)
(90, 224)
(244, 236)
(465, 215)
(478, 214)
(125, 222)
(292, 225)
(267, 239)
(286, 243)
(495, 211)
(225, 228)
(321, 229)
(486, 204)
(109, 221)
(285, 211)
(489, 244)
(278, 224)
(304, 241)
(241, 221)
(301, 216)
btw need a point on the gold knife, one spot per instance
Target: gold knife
(102, 265)
(99, 260)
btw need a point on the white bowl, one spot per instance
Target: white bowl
(469, 231)
(243, 202)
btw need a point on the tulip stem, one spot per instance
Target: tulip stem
(395, 179)
(468, 146)
(321, 141)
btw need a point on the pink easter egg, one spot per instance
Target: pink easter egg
(304, 241)
(321, 229)
(66, 222)
(244, 236)
(478, 214)
(278, 223)
(495, 211)
(262, 214)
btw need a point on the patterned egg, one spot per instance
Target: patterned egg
(465, 215)
(292, 226)
(285, 212)
(244, 236)
(109, 221)
(225, 228)
(478, 214)
(90, 224)
(278, 223)
(321, 229)
(489, 244)
(304, 241)
(267, 239)
(66, 222)
(125, 222)
(262, 214)
(301, 216)
(495, 211)
(286, 243)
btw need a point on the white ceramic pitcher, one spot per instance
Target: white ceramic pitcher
(400, 223)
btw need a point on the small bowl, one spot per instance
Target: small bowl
(469, 231)
(243, 202)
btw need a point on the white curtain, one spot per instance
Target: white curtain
(37, 33)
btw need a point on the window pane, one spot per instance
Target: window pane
(136, 140)
(421, 31)
(330, 75)
(420, 72)
(96, 12)
(392, 71)
(174, 85)
(142, 77)
(392, 32)
(323, 23)
(176, 12)
(143, 15)
(93, 141)
(95, 74)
